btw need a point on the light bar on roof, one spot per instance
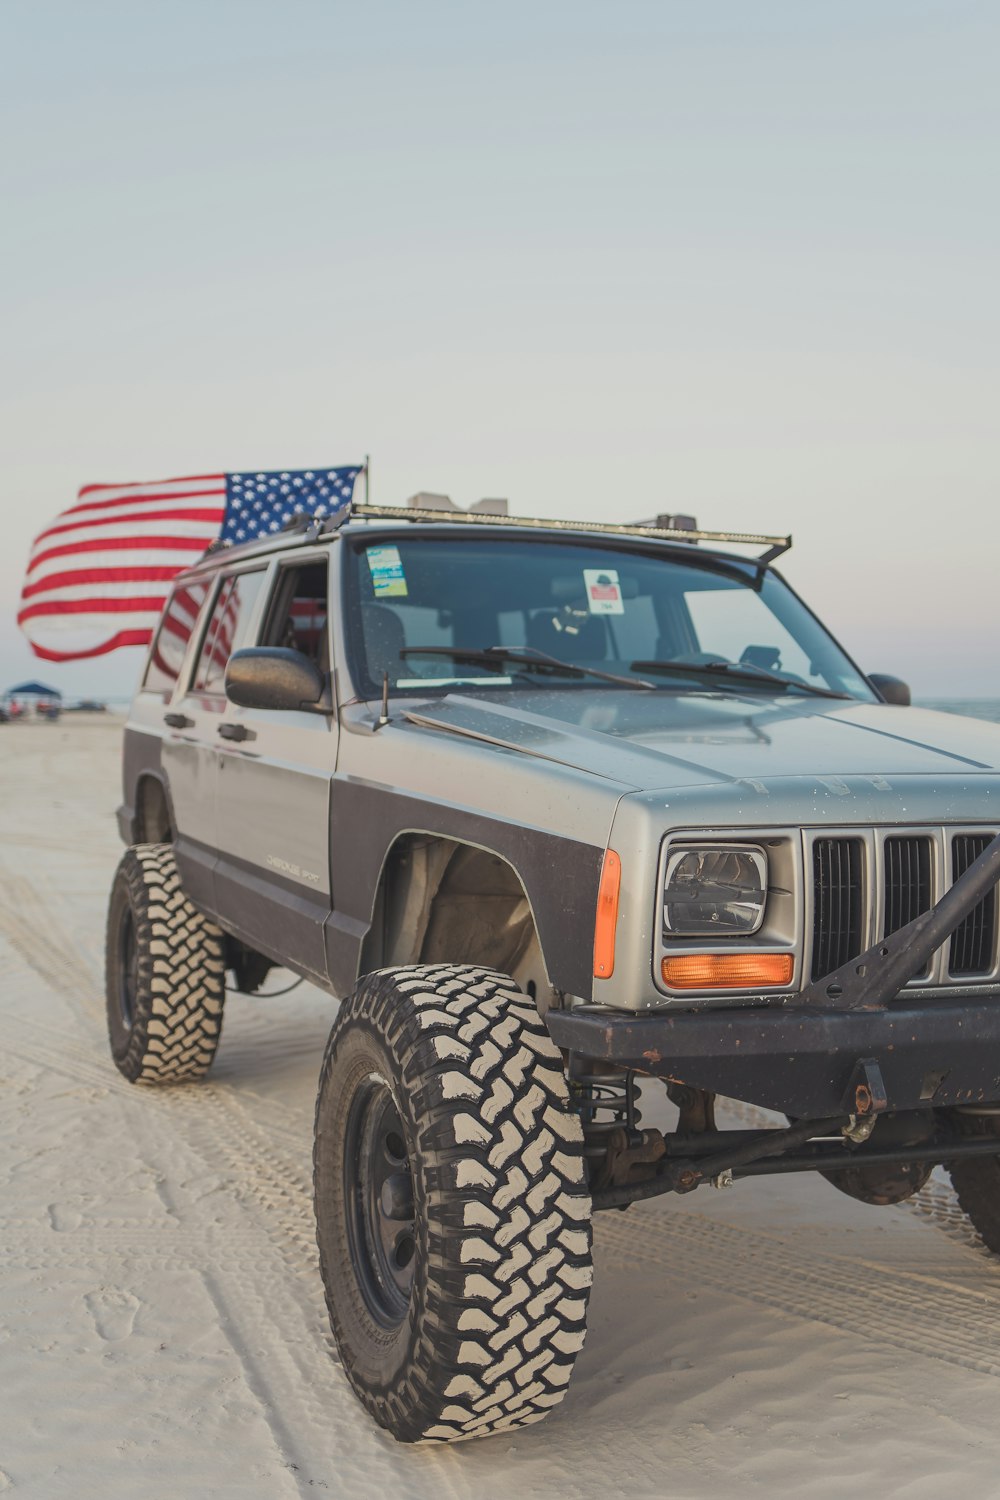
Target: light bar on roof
(775, 545)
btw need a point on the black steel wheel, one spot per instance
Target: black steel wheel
(165, 973)
(378, 1200)
(452, 1212)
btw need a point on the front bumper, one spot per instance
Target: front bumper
(847, 1044)
(803, 1061)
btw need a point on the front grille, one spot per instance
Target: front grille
(869, 883)
(838, 903)
(907, 883)
(973, 941)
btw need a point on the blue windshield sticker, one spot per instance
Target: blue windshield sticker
(386, 567)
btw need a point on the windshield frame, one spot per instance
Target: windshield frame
(745, 571)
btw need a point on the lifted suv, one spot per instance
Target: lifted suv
(554, 807)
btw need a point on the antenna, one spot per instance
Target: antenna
(383, 717)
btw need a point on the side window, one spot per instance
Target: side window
(176, 626)
(297, 618)
(227, 629)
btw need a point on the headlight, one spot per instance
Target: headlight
(714, 892)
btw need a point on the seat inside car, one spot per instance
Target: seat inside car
(384, 639)
(568, 634)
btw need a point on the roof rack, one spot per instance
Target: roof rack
(775, 545)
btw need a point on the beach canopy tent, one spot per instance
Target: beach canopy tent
(34, 690)
(27, 697)
(32, 699)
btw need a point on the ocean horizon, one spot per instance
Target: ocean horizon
(971, 708)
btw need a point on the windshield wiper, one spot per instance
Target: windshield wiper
(735, 673)
(493, 657)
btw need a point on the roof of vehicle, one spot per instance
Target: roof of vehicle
(362, 519)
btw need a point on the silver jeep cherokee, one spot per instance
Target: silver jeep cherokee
(553, 807)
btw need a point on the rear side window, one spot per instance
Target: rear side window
(176, 626)
(227, 629)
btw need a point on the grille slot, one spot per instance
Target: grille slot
(908, 889)
(973, 942)
(838, 903)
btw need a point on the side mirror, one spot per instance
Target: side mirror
(273, 677)
(892, 689)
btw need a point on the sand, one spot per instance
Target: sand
(162, 1330)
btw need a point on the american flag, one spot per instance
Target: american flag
(98, 577)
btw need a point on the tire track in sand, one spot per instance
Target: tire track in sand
(258, 1265)
(957, 1324)
(28, 923)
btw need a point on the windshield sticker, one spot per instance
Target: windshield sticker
(604, 592)
(386, 568)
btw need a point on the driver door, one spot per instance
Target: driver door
(189, 751)
(272, 879)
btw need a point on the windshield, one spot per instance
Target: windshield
(605, 608)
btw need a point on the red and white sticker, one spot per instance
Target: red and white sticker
(604, 592)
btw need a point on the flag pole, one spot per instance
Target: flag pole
(368, 465)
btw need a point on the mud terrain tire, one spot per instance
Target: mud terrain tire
(453, 1217)
(165, 973)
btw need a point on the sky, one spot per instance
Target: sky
(737, 260)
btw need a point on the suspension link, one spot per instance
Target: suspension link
(616, 1149)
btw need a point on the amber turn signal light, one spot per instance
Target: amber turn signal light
(607, 916)
(727, 971)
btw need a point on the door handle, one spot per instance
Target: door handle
(235, 732)
(178, 721)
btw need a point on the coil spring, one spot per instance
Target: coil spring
(604, 1102)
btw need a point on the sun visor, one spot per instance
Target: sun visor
(571, 588)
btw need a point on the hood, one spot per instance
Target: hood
(651, 740)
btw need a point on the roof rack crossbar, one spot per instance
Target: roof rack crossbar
(776, 545)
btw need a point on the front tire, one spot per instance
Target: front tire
(453, 1217)
(165, 973)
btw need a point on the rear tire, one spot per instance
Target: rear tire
(453, 1217)
(165, 973)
